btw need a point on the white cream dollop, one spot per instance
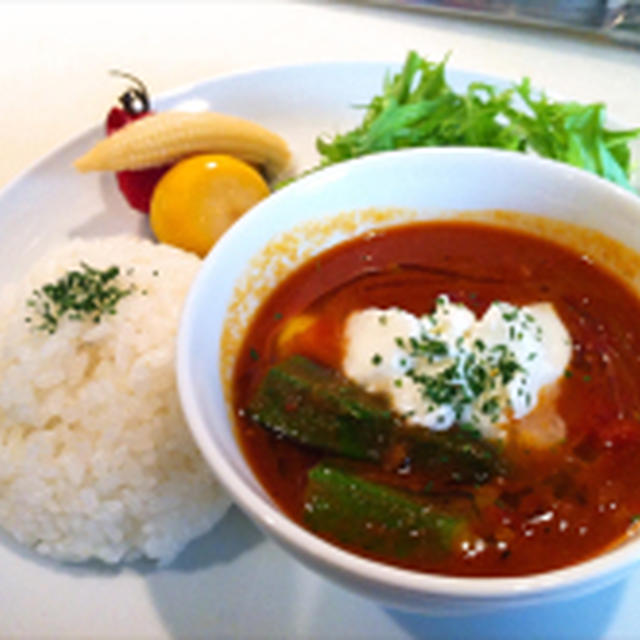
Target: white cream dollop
(450, 367)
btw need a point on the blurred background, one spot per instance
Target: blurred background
(614, 19)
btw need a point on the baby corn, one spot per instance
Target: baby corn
(163, 138)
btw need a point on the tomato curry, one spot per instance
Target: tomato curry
(546, 508)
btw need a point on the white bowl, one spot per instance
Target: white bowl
(288, 227)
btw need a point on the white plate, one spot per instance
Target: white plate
(232, 582)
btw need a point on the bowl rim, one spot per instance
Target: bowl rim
(314, 550)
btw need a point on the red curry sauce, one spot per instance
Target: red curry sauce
(555, 507)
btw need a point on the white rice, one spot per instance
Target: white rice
(96, 460)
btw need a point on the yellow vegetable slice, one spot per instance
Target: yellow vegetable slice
(200, 197)
(294, 327)
(168, 136)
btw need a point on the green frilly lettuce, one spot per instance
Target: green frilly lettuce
(418, 108)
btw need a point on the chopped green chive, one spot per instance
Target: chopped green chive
(86, 293)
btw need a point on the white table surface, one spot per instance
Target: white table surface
(54, 83)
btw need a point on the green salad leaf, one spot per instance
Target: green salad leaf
(418, 108)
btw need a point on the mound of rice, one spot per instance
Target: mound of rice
(96, 460)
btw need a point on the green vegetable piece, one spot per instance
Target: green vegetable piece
(418, 108)
(459, 453)
(574, 133)
(376, 518)
(316, 406)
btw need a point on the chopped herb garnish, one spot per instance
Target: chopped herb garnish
(468, 428)
(426, 346)
(491, 406)
(500, 503)
(86, 293)
(376, 359)
(507, 364)
(253, 354)
(468, 378)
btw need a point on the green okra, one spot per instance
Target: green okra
(375, 517)
(318, 407)
(459, 455)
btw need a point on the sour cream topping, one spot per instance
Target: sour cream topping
(450, 367)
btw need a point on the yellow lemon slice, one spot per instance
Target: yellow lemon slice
(199, 198)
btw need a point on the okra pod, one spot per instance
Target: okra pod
(458, 455)
(318, 407)
(354, 511)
